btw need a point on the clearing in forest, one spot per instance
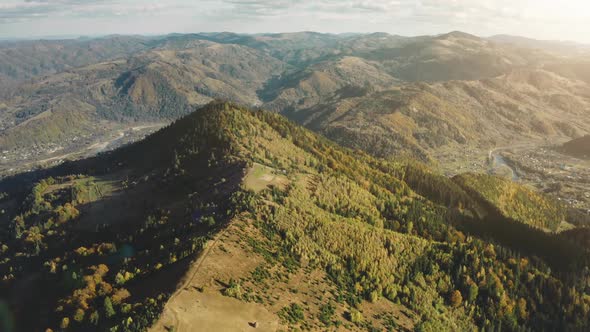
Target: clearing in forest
(259, 177)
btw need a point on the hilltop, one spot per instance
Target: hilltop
(263, 204)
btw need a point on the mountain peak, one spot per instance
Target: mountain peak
(458, 34)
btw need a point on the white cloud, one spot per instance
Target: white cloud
(549, 19)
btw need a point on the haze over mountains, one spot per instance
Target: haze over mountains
(405, 93)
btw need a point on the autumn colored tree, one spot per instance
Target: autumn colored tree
(456, 298)
(79, 315)
(65, 322)
(356, 316)
(521, 309)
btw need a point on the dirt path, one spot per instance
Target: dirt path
(192, 273)
(198, 304)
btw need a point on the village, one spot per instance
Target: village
(541, 167)
(50, 154)
(566, 178)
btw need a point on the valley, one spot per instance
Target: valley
(538, 164)
(554, 173)
(24, 160)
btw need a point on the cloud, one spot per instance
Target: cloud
(538, 18)
(254, 8)
(436, 10)
(28, 10)
(433, 11)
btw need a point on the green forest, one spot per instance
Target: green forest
(82, 244)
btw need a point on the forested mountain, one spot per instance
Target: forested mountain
(524, 104)
(383, 244)
(160, 84)
(22, 60)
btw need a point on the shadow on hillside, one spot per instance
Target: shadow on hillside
(558, 251)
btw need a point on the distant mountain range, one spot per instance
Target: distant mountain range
(382, 93)
(566, 48)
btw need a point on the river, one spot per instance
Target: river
(497, 161)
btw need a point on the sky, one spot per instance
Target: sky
(540, 19)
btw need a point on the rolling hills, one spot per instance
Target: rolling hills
(264, 205)
(155, 86)
(385, 94)
(423, 117)
(23, 60)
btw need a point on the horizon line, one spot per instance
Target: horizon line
(155, 35)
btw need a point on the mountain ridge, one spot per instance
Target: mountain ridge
(302, 204)
(306, 78)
